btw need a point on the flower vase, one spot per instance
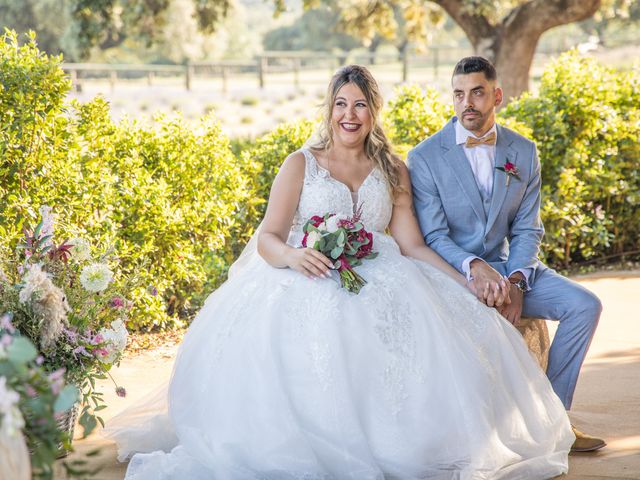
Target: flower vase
(66, 422)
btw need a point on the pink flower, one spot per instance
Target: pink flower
(5, 322)
(97, 339)
(346, 223)
(102, 352)
(509, 167)
(31, 392)
(117, 302)
(56, 379)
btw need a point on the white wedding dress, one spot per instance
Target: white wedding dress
(281, 377)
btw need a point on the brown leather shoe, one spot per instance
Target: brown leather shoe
(586, 443)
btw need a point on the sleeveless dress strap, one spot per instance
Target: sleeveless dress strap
(311, 166)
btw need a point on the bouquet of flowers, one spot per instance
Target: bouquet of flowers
(31, 400)
(344, 240)
(66, 303)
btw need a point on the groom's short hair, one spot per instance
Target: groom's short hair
(475, 64)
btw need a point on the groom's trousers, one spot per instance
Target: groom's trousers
(577, 310)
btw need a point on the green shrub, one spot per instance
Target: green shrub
(179, 202)
(32, 92)
(170, 199)
(413, 115)
(262, 161)
(249, 101)
(586, 123)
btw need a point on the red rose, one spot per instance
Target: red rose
(316, 220)
(365, 250)
(344, 263)
(509, 167)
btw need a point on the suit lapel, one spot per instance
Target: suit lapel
(504, 154)
(456, 160)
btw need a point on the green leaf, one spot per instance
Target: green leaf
(336, 252)
(36, 232)
(21, 351)
(67, 397)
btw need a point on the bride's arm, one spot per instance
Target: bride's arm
(406, 231)
(283, 202)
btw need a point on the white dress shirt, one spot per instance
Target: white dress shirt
(482, 159)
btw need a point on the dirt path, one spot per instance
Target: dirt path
(607, 400)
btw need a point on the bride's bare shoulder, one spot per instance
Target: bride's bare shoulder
(295, 162)
(293, 166)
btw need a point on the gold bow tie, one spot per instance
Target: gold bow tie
(486, 140)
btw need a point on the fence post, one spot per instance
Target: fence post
(296, 72)
(436, 61)
(188, 74)
(74, 80)
(262, 68)
(113, 76)
(405, 65)
(224, 79)
(150, 78)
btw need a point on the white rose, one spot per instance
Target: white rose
(332, 222)
(81, 251)
(96, 277)
(313, 237)
(115, 339)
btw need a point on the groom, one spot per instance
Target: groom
(476, 188)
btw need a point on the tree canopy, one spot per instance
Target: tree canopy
(505, 31)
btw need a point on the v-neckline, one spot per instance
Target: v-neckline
(326, 170)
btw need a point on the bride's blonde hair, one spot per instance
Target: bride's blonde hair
(376, 145)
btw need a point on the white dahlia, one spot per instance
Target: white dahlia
(96, 277)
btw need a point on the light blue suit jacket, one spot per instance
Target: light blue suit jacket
(506, 230)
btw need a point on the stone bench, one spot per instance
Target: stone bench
(536, 336)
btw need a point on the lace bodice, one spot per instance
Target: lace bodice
(321, 193)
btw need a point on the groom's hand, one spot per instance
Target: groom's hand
(490, 287)
(513, 311)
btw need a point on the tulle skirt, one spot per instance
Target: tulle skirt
(283, 377)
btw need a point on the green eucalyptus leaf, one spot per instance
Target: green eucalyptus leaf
(21, 351)
(66, 399)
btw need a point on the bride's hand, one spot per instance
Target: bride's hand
(309, 262)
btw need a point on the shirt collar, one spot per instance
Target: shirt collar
(462, 133)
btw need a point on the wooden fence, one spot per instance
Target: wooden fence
(260, 66)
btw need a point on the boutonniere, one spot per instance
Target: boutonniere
(511, 171)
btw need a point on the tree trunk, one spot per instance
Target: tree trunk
(512, 54)
(511, 43)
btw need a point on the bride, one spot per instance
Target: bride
(284, 375)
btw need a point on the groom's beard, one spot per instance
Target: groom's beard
(474, 122)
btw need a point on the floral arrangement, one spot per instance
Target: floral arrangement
(511, 171)
(64, 300)
(344, 240)
(31, 400)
